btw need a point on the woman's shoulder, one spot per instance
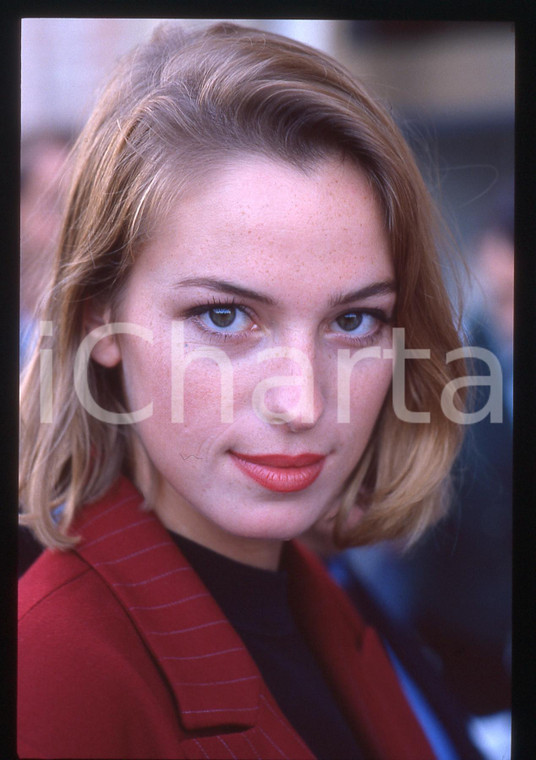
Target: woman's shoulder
(70, 610)
(49, 579)
(66, 608)
(83, 669)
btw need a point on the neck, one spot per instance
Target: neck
(182, 518)
(262, 553)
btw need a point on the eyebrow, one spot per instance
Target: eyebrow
(222, 286)
(385, 287)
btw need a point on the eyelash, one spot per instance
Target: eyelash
(203, 308)
(195, 312)
(381, 318)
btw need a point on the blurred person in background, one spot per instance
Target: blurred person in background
(454, 587)
(43, 157)
(470, 559)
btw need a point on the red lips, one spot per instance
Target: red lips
(280, 472)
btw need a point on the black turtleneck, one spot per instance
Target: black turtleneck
(255, 601)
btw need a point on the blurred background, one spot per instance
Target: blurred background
(451, 83)
(450, 86)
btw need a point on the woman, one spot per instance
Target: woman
(244, 231)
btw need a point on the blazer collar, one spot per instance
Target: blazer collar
(354, 661)
(213, 677)
(211, 674)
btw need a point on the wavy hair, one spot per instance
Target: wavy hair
(175, 108)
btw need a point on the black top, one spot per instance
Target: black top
(255, 602)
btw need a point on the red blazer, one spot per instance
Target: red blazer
(123, 653)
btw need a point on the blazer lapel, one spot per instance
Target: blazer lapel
(212, 675)
(355, 663)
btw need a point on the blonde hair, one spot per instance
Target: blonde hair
(175, 108)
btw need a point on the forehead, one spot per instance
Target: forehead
(266, 220)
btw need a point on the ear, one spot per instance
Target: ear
(107, 351)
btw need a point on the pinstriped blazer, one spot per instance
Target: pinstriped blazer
(123, 653)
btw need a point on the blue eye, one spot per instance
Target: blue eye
(225, 319)
(356, 322)
(222, 316)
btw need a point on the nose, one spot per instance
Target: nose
(290, 393)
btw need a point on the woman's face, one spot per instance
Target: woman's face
(267, 281)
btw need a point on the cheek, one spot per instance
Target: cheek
(369, 387)
(215, 391)
(189, 393)
(146, 376)
(186, 421)
(203, 392)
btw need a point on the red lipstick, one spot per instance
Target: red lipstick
(279, 472)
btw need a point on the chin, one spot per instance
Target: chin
(283, 527)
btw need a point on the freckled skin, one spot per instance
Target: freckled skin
(300, 239)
